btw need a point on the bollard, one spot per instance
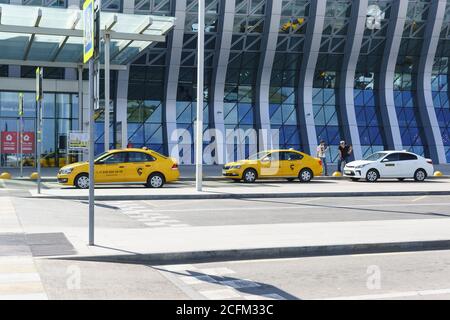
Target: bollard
(438, 174)
(5, 175)
(337, 174)
(34, 176)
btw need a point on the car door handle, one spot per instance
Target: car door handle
(148, 165)
(121, 167)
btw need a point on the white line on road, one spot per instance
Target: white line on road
(419, 198)
(309, 206)
(2, 183)
(392, 295)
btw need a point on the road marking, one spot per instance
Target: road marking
(295, 206)
(419, 198)
(240, 283)
(2, 183)
(392, 295)
(19, 277)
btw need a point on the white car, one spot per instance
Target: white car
(390, 164)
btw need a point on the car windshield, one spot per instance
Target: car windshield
(102, 155)
(258, 155)
(375, 156)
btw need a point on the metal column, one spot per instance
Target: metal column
(107, 74)
(199, 127)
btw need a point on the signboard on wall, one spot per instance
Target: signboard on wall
(78, 140)
(9, 142)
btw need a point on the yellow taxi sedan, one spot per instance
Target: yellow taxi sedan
(124, 166)
(289, 164)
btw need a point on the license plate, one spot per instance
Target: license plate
(347, 172)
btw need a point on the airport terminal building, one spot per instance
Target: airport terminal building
(371, 72)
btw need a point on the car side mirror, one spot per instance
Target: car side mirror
(385, 160)
(265, 160)
(99, 162)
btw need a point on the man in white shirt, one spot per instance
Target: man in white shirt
(322, 154)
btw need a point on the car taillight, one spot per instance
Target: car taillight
(430, 161)
(175, 166)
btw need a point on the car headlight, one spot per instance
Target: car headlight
(66, 171)
(361, 166)
(235, 167)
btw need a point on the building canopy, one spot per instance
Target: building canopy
(53, 37)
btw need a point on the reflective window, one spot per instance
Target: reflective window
(405, 79)
(59, 117)
(139, 157)
(440, 80)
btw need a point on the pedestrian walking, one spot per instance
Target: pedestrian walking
(322, 149)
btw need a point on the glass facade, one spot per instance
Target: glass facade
(405, 79)
(440, 80)
(327, 75)
(60, 115)
(149, 73)
(146, 87)
(187, 80)
(367, 77)
(240, 83)
(283, 91)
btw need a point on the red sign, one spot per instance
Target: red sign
(9, 142)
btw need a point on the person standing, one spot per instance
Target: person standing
(344, 153)
(322, 155)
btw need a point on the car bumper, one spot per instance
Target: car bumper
(353, 173)
(231, 173)
(64, 179)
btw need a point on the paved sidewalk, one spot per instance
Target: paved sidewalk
(19, 278)
(263, 189)
(178, 245)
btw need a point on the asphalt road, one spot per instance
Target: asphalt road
(412, 275)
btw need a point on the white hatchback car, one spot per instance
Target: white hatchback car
(390, 164)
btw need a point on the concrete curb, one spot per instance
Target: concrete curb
(219, 178)
(201, 196)
(264, 253)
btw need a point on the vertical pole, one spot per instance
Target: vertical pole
(199, 127)
(17, 141)
(39, 145)
(80, 108)
(107, 74)
(91, 151)
(21, 145)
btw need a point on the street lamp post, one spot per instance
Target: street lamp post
(199, 127)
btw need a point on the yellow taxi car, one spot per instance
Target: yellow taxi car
(289, 164)
(124, 166)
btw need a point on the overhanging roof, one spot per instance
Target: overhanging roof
(42, 36)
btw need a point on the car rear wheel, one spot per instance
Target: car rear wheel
(372, 175)
(82, 181)
(305, 175)
(249, 175)
(155, 180)
(420, 175)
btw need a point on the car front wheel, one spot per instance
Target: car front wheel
(372, 175)
(305, 175)
(249, 176)
(155, 180)
(420, 175)
(82, 181)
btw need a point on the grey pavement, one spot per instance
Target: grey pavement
(130, 233)
(412, 275)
